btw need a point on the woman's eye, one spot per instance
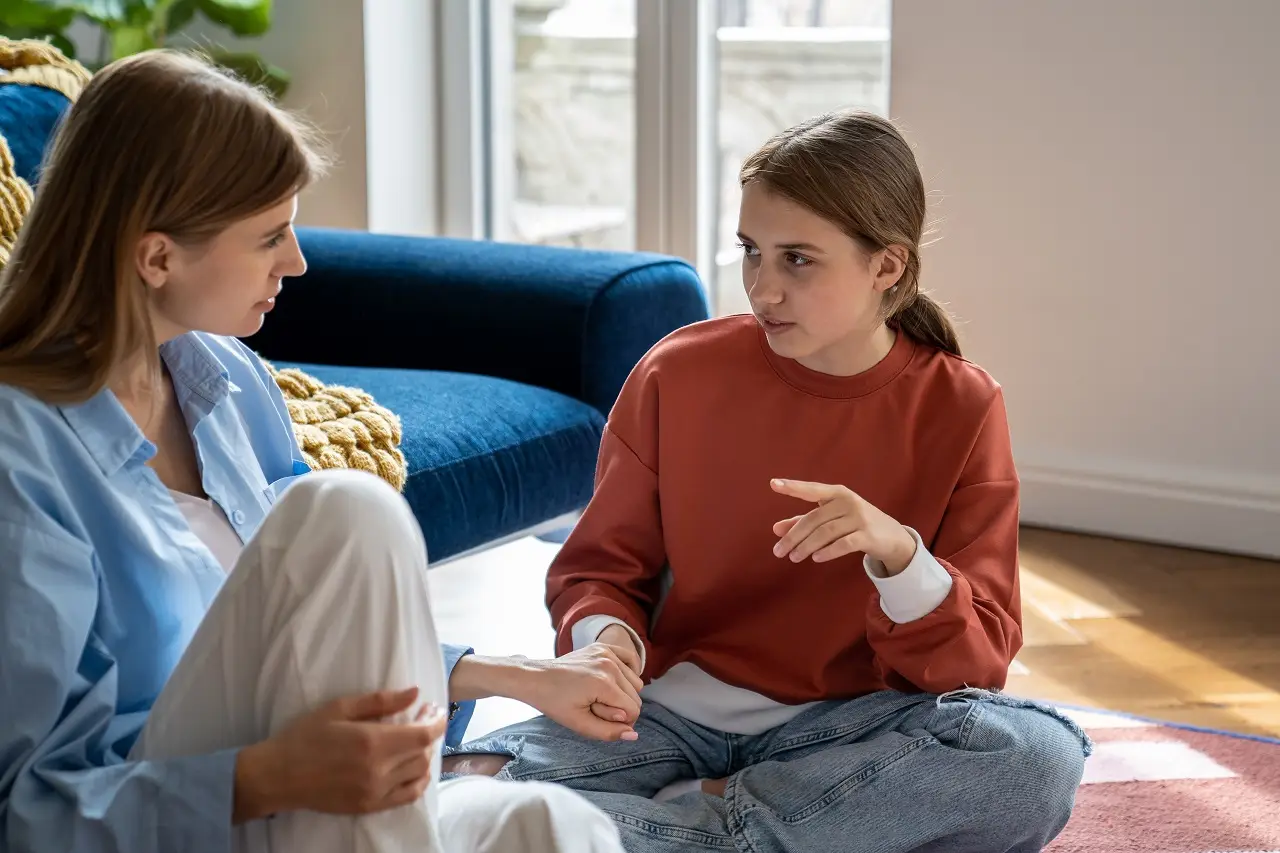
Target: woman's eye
(797, 260)
(275, 241)
(748, 250)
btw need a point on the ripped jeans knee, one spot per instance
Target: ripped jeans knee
(475, 764)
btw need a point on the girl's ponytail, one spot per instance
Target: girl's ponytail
(923, 319)
(855, 170)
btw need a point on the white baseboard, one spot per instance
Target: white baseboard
(1194, 515)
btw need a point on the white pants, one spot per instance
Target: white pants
(329, 599)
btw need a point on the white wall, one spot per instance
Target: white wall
(321, 43)
(363, 71)
(1107, 172)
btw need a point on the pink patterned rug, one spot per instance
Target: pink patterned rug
(1157, 788)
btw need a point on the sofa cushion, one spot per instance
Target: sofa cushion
(487, 457)
(28, 117)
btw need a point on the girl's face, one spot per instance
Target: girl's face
(227, 285)
(814, 290)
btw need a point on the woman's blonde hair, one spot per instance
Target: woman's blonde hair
(158, 142)
(855, 170)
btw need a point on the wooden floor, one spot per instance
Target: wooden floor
(1173, 634)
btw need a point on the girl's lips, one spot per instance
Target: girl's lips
(773, 325)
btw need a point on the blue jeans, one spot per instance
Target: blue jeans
(967, 771)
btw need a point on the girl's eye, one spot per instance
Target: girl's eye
(275, 241)
(748, 250)
(797, 260)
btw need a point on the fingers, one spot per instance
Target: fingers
(410, 770)
(591, 726)
(399, 739)
(627, 655)
(822, 537)
(608, 712)
(813, 492)
(781, 528)
(409, 792)
(805, 527)
(842, 547)
(634, 680)
(618, 693)
(372, 706)
(629, 681)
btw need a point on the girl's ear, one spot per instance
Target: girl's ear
(888, 265)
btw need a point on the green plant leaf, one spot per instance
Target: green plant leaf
(33, 16)
(254, 69)
(242, 17)
(180, 14)
(107, 12)
(130, 39)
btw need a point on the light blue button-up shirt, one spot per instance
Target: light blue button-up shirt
(102, 585)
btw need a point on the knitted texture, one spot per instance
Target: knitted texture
(15, 201)
(39, 63)
(336, 426)
(340, 427)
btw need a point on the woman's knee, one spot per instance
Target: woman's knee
(348, 507)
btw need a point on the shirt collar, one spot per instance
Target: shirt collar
(110, 434)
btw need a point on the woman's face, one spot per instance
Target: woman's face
(226, 285)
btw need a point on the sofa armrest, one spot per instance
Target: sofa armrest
(570, 320)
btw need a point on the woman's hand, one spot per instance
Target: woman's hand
(591, 691)
(341, 759)
(843, 523)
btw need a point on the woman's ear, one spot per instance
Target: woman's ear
(888, 265)
(154, 259)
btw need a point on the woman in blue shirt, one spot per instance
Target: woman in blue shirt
(193, 657)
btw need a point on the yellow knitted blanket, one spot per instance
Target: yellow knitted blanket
(337, 427)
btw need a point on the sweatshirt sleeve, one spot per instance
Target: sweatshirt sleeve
(971, 637)
(612, 563)
(63, 784)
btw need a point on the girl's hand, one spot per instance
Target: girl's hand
(843, 523)
(341, 759)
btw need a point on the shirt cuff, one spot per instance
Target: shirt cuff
(916, 591)
(588, 629)
(460, 713)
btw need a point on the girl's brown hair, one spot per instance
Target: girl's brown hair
(161, 142)
(854, 169)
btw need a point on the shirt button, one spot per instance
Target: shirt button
(237, 517)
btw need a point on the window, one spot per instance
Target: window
(780, 62)
(621, 124)
(563, 108)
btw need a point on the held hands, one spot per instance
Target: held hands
(342, 759)
(843, 523)
(594, 691)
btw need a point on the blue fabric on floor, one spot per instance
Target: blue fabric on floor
(486, 457)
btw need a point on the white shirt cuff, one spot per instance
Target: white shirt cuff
(916, 591)
(588, 629)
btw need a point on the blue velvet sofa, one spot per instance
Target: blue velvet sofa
(502, 361)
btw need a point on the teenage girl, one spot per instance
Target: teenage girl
(805, 537)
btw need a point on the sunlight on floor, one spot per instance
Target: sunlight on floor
(1086, 644)
(493, 602)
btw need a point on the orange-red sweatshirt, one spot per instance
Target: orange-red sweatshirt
(677, 540)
